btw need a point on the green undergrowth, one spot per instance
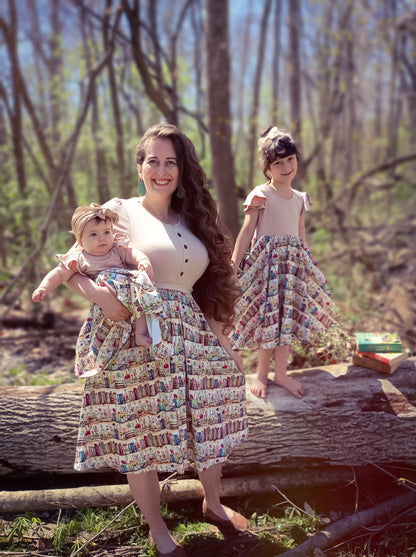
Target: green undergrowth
(276, 525)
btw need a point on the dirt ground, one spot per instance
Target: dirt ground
(39, 348)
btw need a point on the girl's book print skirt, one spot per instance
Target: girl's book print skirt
(284, 295)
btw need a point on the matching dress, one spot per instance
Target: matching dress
(145, 412)
(284, 294)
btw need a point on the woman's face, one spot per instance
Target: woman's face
(159, 170)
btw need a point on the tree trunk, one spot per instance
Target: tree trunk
(295, 69)
(171, 490)
(252, 134)
(103, 190)
(219, 117)
(277, 48)
(350, 416)
(115, 104)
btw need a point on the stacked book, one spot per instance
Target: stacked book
(380, 351)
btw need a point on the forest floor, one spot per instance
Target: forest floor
(39, 348)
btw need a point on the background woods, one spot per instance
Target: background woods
(81, 81)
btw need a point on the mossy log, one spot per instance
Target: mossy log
(350, 416)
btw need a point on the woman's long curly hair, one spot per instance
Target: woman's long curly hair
(217, 290)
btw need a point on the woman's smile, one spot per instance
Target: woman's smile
(159, 170)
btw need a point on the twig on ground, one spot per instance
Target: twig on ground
(345, 527)
(402, 481)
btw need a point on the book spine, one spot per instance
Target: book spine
(375, 356)
(371, 364)
(385, 347)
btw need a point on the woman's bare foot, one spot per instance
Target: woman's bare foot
(294, 387)
(259, 388)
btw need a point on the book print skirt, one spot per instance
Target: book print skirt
(146, 413)
(284, 295)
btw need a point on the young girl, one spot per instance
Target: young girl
(107, 261)
(284, 294)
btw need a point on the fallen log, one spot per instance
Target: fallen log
(343, 529)
(171, 490)
(349, 416)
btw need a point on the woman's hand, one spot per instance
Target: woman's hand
(239, 362)
(217, 328)
(113, 309)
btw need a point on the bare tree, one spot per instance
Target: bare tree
(115, 104)
(87, 34)
(241, 57)
(252, 133)
(68, 150)
(10, 33)
(219, 118)
(294, 68)
(277, 15)
(407, 58)
(150, 61)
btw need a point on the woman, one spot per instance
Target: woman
(148, 415)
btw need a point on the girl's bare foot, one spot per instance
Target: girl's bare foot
(294, 387)
(259, 388)
(142, 339)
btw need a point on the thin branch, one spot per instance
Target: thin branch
(345, 527)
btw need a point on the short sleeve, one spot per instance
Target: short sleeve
(71, 261)
(118, 206)
(307, 201)
(255, 200)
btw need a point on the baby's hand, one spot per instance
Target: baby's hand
(146, 266)
(38, 294)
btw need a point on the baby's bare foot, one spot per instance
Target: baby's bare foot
(142, 339)
(259, 388)
(294, 387)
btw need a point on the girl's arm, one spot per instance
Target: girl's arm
(245, 236)
(302, 229)
(217, 329)
(54, 278)
(113, 309)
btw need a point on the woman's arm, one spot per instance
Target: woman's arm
(217, 329)
(113, 309)
(245, 236)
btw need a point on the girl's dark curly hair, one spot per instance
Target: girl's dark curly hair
(273, 144)
(217, 290)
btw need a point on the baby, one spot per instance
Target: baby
(92, 226)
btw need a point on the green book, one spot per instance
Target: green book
(378, 342)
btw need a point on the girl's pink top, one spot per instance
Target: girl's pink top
(277, 216)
